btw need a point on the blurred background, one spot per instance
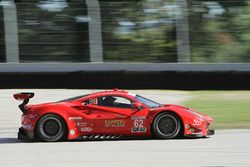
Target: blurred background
(158, 31)
(155, 44)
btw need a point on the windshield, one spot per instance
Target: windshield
(147, 102)
(73, 98)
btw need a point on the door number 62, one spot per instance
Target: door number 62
(138, 123)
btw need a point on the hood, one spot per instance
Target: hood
(188, 110)
(175, 106)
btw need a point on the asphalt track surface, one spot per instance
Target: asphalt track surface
(227, 148)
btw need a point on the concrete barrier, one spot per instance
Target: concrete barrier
(185, 80)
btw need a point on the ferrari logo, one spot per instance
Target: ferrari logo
(114, 123)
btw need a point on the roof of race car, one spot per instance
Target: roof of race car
(110, 92)
(101, 93)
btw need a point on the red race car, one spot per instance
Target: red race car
(108, 115)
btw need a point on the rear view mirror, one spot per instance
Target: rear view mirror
(138, 106)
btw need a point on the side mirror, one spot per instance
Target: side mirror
(138, 106)
(85, 103)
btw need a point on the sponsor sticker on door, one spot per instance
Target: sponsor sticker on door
(114, 123)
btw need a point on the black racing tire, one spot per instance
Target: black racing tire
(167, 125)
(51, 128)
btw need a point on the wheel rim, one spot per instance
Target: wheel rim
(51, 128)
(167, 125)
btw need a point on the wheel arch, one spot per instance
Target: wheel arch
(168, 111)
(54, 113)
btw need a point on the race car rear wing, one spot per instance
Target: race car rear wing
(23, 96)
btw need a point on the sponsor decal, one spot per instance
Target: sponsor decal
(139, 117)
(81, 124)
(86, 129)
(75, 118)
(197, 122)
(142, 129)
(114, 123)
(93, 101)
(72, 132)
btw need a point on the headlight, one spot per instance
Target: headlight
(196, 114)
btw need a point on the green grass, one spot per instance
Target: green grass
(229, 109)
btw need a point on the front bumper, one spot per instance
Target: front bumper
(207, 133)
(24, 134)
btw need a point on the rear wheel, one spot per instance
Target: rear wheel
(51, 128)
(167, 126)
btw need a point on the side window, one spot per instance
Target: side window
(115, 101)
(91, 101)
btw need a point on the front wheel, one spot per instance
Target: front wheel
(167, 126)
(51, 128)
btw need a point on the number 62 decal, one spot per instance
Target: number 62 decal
(138, 123)
(138, 126)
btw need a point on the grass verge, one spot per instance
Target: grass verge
(229, 109)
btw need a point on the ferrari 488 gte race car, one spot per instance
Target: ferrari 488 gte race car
(108, 115)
